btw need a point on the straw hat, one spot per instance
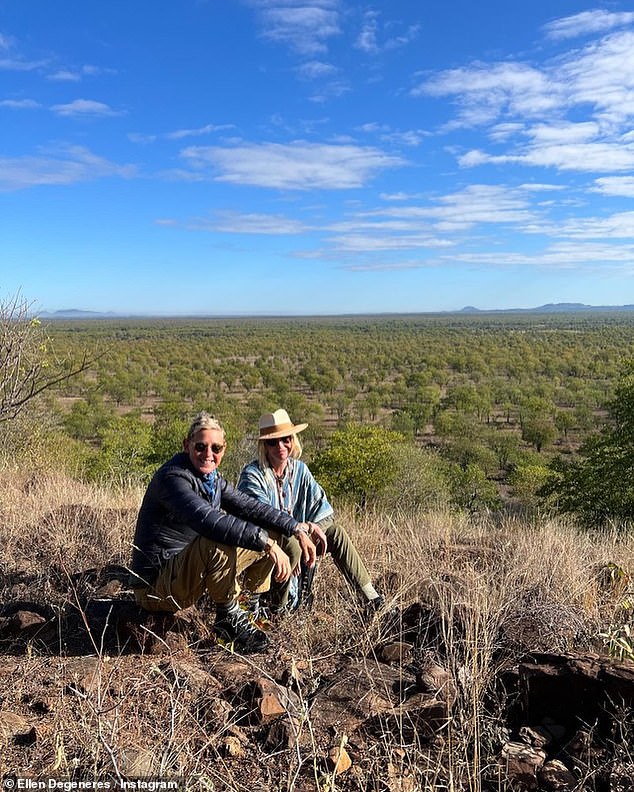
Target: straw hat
(278, 424)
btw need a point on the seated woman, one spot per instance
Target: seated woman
(195, 533)
(278, 478)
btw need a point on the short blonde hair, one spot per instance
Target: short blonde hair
(295, 452)
(205, 420)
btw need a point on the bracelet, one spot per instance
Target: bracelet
(269, 547)
(301, 529)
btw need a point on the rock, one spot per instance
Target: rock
(12, 727)
(27, 625)
(271, 700)
(182, 672)
(339, 760)
(284, 733)
(555, 776)
(397, 781)
(396, 652)
(232, 747)
(110, 589)
(138, 763)
(435, 679)
(85, 675)
(521, 763)
(574, 688)
(535, 736)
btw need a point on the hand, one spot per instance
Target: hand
(309, 551)
(282, 565)
(319, 538)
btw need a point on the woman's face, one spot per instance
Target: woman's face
(206, 449)
(278, 450)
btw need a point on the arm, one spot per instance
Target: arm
(240, 504)
(178, 496)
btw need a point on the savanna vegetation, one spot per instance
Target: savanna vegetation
(481, 463)
(472, 410)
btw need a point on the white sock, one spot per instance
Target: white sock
(370, 592)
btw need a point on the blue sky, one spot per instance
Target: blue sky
(287, 157)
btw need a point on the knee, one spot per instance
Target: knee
(293, 551)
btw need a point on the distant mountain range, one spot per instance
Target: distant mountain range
(76, 313)
(553, 308)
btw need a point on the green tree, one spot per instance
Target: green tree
(538, 431)
(358, 462)
(125, 450)
(600, 485)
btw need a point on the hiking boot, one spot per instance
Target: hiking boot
(235, 627)
(374, 605)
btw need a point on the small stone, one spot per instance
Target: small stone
(110, 589)
(397, 652)
(522, 763)
(339, 760)
(232, 747)
(137, 763)
(270, 704)
(555, 776)
(537, 737)
(12, 726)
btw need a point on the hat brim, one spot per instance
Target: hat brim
(281, 430)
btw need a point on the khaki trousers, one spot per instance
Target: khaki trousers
(206, 566)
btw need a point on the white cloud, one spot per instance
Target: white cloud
(485, 92)
(295, 166)
(179, 134)
(82, 108)
(366, 40)
(588, 157)
(64, 75)
(304, 27)
(66, 166)
(595, 21)
(478, 203)
(20, 104)
(622, 186)
(18, 64)
(617, 226)
(373, 38)
(367, 243)
(407, 137)
(563, 133)
(537, 187)
(237, 223)
(313, 70)
(560, 255)
(602, 76)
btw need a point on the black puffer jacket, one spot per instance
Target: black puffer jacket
(176, 509)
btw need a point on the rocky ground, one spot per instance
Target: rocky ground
(91, 691)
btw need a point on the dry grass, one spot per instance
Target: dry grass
(470, 595)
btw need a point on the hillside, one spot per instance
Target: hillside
(435, 693)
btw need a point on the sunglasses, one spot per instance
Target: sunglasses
(275, 441)
(216, 448)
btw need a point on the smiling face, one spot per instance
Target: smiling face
(278, 451)
(205, 449)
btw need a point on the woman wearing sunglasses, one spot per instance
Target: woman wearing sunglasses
(195, 532)
(278, 478)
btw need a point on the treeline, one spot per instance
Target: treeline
(479, 404)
